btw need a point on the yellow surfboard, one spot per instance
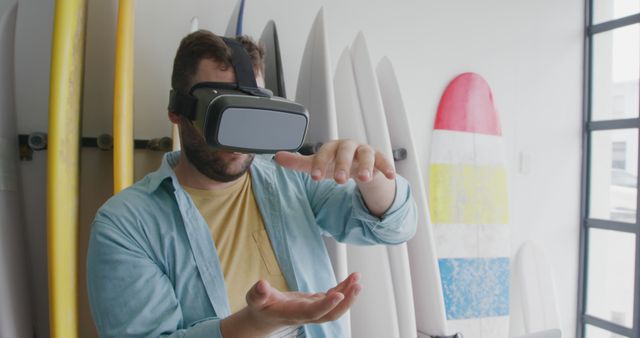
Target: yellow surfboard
(67, 61)
(123, 99)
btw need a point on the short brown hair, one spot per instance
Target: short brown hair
(203, 44)
(255, 51)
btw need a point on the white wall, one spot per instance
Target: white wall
(530, 52)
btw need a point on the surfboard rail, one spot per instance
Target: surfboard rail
(67, 65)
(123, 98)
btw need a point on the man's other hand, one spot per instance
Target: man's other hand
(272, 307)
(268, 309)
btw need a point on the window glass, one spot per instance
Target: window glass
(605, 10)
(616, 68)
(613, 181)
(610, 276)
(596, 332)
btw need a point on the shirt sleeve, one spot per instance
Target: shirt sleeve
(129, 294)
(341, 211)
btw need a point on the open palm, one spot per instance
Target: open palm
(296, 308)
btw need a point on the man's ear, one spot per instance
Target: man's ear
(174, 118)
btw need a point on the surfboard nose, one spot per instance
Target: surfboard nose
(467, 105)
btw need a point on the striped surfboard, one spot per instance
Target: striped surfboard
(469, 209)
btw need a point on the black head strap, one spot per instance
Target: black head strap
(185, 104)
(242, 65)
(182, 104)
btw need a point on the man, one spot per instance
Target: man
(227, 244)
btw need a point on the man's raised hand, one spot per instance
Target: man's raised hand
(340, 160)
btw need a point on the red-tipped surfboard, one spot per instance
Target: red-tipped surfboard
(469, 209)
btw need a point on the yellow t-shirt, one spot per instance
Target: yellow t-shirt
(242, 242)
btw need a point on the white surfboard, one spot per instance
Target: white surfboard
(425, 274)
(273, 71)
(15, 309)
(534, 299)
(374, 314)
(378, 137)
(315, 92)
(234, 27)
(469, 209)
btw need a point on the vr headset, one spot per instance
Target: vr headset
(240, 116)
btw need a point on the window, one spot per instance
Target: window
(609, 287)
(619, 155)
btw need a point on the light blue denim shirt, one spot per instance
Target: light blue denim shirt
(153, 269)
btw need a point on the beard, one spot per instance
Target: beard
(217, 165)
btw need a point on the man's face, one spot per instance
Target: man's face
(219, 165)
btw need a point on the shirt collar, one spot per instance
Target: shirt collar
(169, 161)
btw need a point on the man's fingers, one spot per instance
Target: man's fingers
(258, 294)
(316, 165)
(384, 165)
(351, 294)
(339, 160)
(294, 161)
(347, 282)
(322, 159)
(319, 308)
(366, 158)
(343, 160)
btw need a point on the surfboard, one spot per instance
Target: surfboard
(15, 307)
(234, 27)
(425, 275)
(194, 24)
(67, 63)
(534, 300)
(469, 209)
(273, 74)
(374, 314)
(315, 92)
(378, 137)
(123, 98)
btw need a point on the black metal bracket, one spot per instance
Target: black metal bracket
(38, 141)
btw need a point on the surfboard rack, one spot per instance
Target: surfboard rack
(38, 141)
(399, 154)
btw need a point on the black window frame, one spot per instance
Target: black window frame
(584, 319)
